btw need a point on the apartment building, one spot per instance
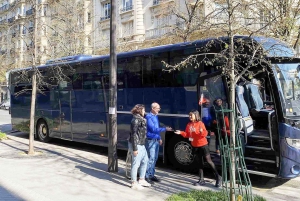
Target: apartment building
(43, 29)
(138, 21)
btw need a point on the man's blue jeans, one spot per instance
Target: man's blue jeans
(138, 161)
(152, 147)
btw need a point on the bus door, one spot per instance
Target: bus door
(211, 87)
(65, 109)
(95, 106)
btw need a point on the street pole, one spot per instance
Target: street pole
(112, 133)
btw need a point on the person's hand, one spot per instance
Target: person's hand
(169, 128)
(160, 142)
(201, 130)
(177, 132)
(135, 153)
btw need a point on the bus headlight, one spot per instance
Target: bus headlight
(293, 142)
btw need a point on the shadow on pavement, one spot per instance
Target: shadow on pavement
(6, 195)
(257, 181)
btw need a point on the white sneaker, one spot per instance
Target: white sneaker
(136, 186)
(144, 183)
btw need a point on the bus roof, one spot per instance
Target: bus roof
(68, 59)
(273, 47)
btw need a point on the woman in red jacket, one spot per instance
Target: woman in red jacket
(196, 132)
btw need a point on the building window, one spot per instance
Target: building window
(88, 17)
(89, 40)
(221, 12)
(106, 11)
(127, 5)
(127, 29)
(23, 30)
(45, 10)
(163, 21)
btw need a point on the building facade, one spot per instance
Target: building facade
(47, 29)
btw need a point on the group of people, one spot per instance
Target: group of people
(144, 145)
(145, 140)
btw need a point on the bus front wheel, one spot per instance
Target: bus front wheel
(43, 131)
(180, 154)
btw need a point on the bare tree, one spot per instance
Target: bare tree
(70, 38)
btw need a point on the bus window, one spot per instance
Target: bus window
(215, 89)
(92, 81)
(147, 76)
(64, 85)
(130, 73)
(77, 81)
(161, 78)
(186, 76)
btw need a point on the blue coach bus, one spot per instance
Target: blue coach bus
(76, 108)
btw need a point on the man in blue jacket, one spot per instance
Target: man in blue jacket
(153, 141)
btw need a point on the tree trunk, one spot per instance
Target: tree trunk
(232, 124)
(232, 139)
(112, 134)
(32, 114)
(231, 103)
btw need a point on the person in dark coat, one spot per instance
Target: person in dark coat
(137, 147)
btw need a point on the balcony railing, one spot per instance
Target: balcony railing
(29, 12)
(127, 8)
(158, 32)
(105, 17)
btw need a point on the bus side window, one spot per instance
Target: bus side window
(77, 81)
(131, 72)
(216, 89)
(92, 81)
(160, 77)
(147, 76)
(188, 75)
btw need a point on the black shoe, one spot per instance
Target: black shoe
(154, 178)
(199, 183)
(149, 181)
(218, 181)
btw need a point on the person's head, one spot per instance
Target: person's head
(218, 101)
(194, 115)
(138, 109)
(155, 108)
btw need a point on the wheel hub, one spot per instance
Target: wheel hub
(183, 153)
(44, 130)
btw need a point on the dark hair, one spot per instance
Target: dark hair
(137, 109)
(196, 113)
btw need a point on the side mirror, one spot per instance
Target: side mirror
(298, 68)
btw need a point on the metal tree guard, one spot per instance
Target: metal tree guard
(243, 185)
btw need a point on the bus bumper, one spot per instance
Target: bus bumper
(290, 156)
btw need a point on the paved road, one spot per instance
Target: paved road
(63, 172)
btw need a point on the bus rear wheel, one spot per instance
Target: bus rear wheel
(43, 131)
(180, 154)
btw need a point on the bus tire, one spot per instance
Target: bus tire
(42, 131)
(180, 154)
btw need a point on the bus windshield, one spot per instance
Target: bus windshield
(288, 79)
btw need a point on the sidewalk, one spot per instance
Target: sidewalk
(61, 173)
